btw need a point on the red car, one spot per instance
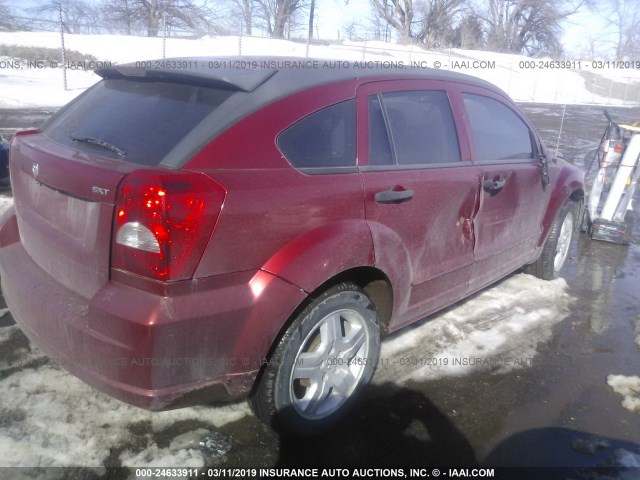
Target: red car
(199, 229)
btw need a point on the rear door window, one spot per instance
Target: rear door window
(420, 128)
(324, 139)
(143, 120)
(498, 132)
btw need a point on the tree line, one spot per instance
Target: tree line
(530, 27)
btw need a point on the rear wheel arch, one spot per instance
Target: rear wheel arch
(570, 190)
(325, 247)
(374, 282)
(301, 399)
(310, 259)
(371, 280)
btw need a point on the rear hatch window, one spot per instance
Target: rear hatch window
(136, 121)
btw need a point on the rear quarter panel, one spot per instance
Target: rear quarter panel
(304, 228)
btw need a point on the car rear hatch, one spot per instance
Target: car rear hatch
(64, 202)
(66, 176)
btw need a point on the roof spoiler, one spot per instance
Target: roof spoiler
(244, 80)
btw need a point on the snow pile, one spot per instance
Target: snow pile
(625, 458)
(521, 77)
(185, 450)
(5, 203)
(497, 330)
(54, 419)
(16, 351)
(621, 465)
(629, 388)
(154, 456)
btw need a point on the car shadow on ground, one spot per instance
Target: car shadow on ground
(390, 426)
(396, 427)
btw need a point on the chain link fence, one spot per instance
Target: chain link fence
(524, 79)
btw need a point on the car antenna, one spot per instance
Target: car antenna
(564, 109)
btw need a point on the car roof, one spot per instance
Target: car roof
(282, 75)
(259, 81)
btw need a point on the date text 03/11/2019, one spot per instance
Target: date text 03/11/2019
(313, 472)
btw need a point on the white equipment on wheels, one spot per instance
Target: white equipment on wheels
(606, 216)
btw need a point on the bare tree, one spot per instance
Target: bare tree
(78, 16)
(149, 15)
(526, 26)
(398, 14)
(436, 20)
(624, 17)
(279, 15)
(6, 18)
(122, 16)
(311, 13)
(424, 21)
(354, 30)
(469, 33)
(247, 14)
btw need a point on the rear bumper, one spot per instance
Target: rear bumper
(156, 352)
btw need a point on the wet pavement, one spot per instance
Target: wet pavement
(556, 410)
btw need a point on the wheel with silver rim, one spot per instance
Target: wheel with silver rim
(325, 357)
(564, 242)
(329, 364)
(557, 246)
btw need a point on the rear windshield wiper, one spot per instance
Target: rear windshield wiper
(100, 143)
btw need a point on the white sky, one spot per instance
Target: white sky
(582, 27)
(334, 16)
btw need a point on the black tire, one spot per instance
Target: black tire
(585, 224)
(556, 248)
(337, 335)
(629, 222)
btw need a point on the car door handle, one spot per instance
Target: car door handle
(394, 196)
(494, 185)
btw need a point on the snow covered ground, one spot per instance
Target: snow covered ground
(498, 330)
(55, 420)
(525, 79)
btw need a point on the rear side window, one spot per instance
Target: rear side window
(144, 120)
(326, 138)
(421, 126)
(499, 133)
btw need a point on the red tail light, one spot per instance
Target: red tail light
(164, 220)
